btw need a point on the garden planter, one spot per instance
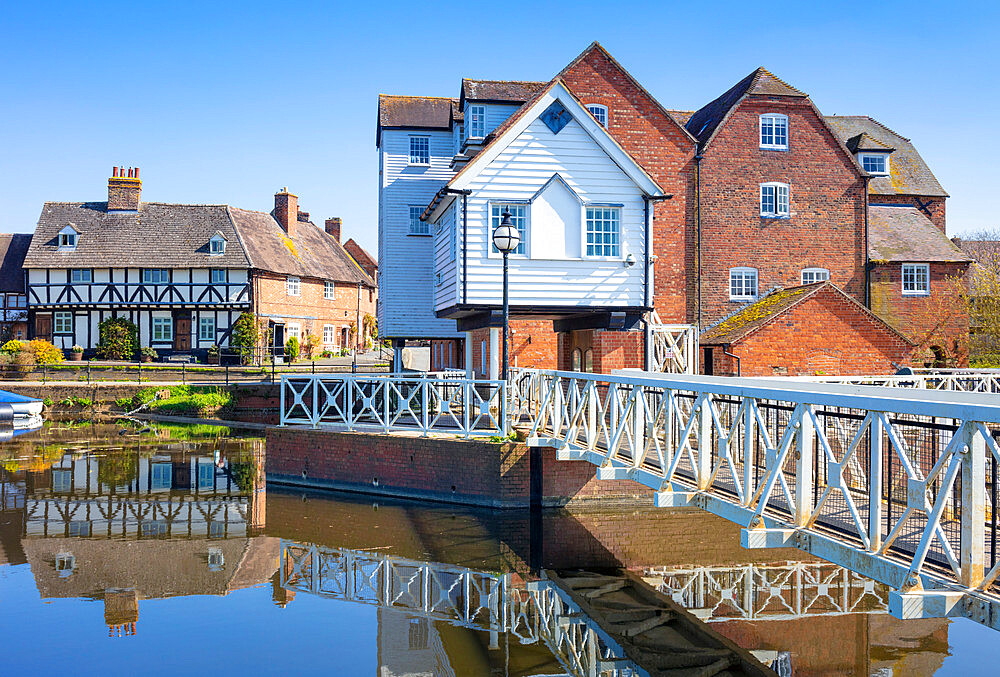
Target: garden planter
(147, 358)
(76, 357)
(212, 359)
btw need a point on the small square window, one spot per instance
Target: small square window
(293, 331)
(875, 163)
(518, 219)
(329, 291)
(63, 323)
(218, 276)
(155, 276)
(293, 286)
(206, 328)
(67, 238)
(813, 275)
(418, 227)
(217, 246)
(81, 276)
(420, 150)
(774, 200)
(916, 279)
(774, 131)
(599, 112)
(742, 284)
(163, 329)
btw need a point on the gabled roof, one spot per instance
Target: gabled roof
(863, 142)
(498, 91)
(908, 173)
(703, 123)
(13, 247)
(904, 233)
(419, 112)
(756, 316)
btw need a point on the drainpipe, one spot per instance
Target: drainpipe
(697, 181)
(725, 351)
(647, 298)
(868, 280)
(465, 233)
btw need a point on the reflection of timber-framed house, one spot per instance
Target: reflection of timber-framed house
(184, 273)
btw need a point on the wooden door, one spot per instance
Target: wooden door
(43, 327)
(182, 331)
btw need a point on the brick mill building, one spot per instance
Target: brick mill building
(184, 273)
(754, 193)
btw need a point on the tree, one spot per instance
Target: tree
(245, 337)
(983, 295)
(118, 339)
(370, 328)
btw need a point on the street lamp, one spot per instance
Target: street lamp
(505, 239)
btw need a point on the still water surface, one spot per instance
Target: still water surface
(163, 553)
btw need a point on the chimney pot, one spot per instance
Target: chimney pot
(124, 191)
(333, 227)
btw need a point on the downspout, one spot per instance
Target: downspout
(725, 351)
(697, 181)
(868, 280)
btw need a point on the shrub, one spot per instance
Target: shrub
(311, 346)
(147, 351)
(12, 347)
(292, 349)
(245, 337)
(44, 352)
(119, 339)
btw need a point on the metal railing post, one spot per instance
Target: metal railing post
(973, 514)
(314, 414)
(424, 406)
(88, 373)
(749, 440)
(805, 436)
(281, 395)
(875, 482)
(704, 433)
(184, 372)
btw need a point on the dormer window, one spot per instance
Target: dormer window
(475, 119)
(217, 245)
(599, 112)
(68, 238)
(875, 163)
(774, 131)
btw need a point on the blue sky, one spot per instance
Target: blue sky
(227, 103)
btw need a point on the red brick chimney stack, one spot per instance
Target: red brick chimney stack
(333, 227)
(124, 190)
(286, 211)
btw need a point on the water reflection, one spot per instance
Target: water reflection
(131, 522)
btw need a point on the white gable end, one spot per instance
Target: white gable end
(556, 216)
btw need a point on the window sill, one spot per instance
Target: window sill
(916, 293)
(782, 148)
(418, 164)
(419, 235)
(742, 299)
(776, 217)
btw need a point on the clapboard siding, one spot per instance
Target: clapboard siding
(445, 257)
(407, 262)
(516, 174)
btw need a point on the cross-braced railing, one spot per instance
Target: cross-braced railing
(396, 402)
(970, 381)
(469, 598)
(890, 482)
(673, 347)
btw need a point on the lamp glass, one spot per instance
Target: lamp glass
(506, 237)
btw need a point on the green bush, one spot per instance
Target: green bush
(987, 361)
(245, 336)
(186, 400)
(292, 349)
(12, 347)
(119, 339)
(44, 352)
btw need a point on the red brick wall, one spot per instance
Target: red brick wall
(826, 197)
(491, 474)
(447, 354)
(936, 206)
(666, 152)
(310, 309)
(935, 320)
(822, 335)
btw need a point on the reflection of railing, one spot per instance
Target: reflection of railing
(396, 402)
(464, 597)
(890, 482)
(770, 591)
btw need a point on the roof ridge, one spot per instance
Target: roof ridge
(414, 96)
(761, 69)
(869, 117)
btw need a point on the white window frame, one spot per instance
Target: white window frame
(162, 276)
(418, 159)
(62, 322)
(616, 251)
(773, 119)
(782, 207)
(68, 238)
(162, 330)
(217, 246)
(207, 321)
(600, 113)
(522, 250)
(329, 335)
(473, 125)
(161, 476)
(744, 272)
(81, 276)
(815, 275)
(293, 286)
(877, 156)
(913, 287)
(416, 226)
(329, 290)
(293, 329)
(217, 275)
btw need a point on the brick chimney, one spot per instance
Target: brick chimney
(333, 227)
(286, 210)
(124, 190)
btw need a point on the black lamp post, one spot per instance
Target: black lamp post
(505, 239)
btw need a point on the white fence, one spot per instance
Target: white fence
(951, 380)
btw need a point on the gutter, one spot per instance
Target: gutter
(465, 233)
(868, 267)
(697, 181)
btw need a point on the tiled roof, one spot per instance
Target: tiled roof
(682, 116)
(424, 112)
(755, 316)
(311, 253)
(863, 142)
(903, 233)
(703, 123)
(168, 235)
(360, 254)
(512, 91)
(908, 173)
(13, 247)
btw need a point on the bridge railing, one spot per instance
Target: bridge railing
(397, 403)
(898, 485)
(967, 381)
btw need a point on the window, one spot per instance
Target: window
(875, 163)
(63, 323)
(518, 219)
(577, 362)
(68, 238)
(418, 227)
(475, 120)
(329, 335)
(293, 286)
(62, 481)
(916, 279)
(218, 276)
(81, 276)
(811, 275)
(163, 329)
(603, 231)
(161, 475)
(293, 330)
(206, 475)
(420, 150)
(599, 112)
(742, 284)
(18, 301)
(206, 328)
(155, 276)
(78, 528)
(329, 291)
(774, 199)
(216, 559)
(774, 131)
(217, 246)
(65, 564)
(153, 528)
